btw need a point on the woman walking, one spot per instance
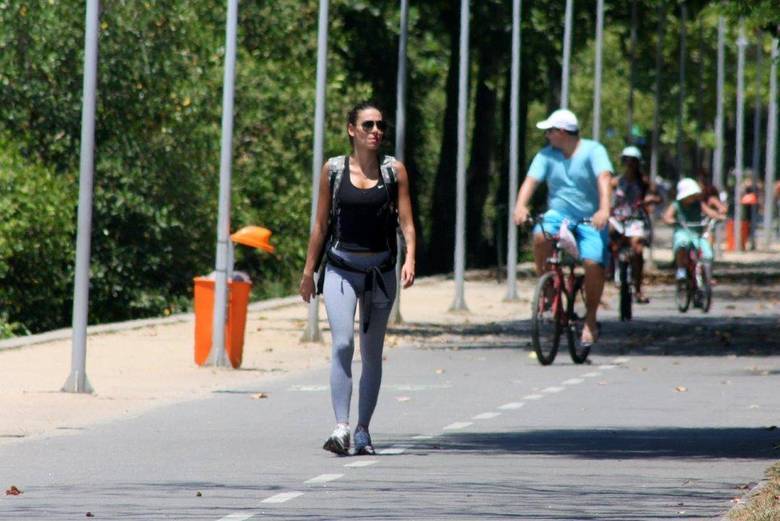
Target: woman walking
(363, 198)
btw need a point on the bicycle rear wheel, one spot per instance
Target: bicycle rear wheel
(625, 292)
(546, 311)
(575, 310)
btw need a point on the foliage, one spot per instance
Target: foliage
(36, 249)
(160, 105)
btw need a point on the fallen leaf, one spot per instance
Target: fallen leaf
(198, 494)
(439, 371)
(13, 491)
(403, 398)
(259, 396)
(603, 382)
(681, 389)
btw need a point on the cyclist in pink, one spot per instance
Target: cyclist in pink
(578, 173)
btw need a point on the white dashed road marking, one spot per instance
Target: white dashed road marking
(511, 405)
(592, 374)
(309, 388)
(281, 498)
(573, 381)
(486, 416)
(553, 389)
(606, 367)
(457, 425)
(361, 463)
(323, 478)
(237, 517)
(621, 360)
(423, 437)
(532, 397)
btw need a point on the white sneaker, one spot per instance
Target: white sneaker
(338, 442)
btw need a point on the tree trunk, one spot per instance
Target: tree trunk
(442, 242)
(482, 151)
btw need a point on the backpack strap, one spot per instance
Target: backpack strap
(390, 177)
(336, 168)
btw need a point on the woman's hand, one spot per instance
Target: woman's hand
(407, 274)
(307, 289)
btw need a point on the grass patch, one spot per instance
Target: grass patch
(764, 505)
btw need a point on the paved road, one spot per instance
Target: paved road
(669, 421)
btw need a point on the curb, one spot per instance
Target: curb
(114, 327)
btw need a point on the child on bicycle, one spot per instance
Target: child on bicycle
(631, 195)
(686, 214)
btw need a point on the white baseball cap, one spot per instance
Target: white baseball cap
(562, 118)
(686, 188)
(631, 151)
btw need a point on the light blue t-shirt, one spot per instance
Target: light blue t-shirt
(572, 183)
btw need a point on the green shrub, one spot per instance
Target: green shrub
(36, 244)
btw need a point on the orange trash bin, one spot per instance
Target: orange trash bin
(238, 301)
(731, 240)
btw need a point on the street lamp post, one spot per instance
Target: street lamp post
(217, 355)
(77, 381)
(717, 160)
(566, 54)
(597, 70)
(771, 149)
(514, 148)
(741, 44)
(460, 210)
(400, 139)
(312, 331)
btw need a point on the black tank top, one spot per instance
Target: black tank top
(361, 217)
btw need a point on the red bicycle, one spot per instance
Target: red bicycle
(558, 305)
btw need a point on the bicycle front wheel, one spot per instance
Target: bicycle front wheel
(546, 311)
(706, 289)
(682, 295)
(625, 292)
(575, 311)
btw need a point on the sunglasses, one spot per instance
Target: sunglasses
(368, 125)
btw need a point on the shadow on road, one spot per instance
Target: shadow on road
(743, 325)
(651, 443)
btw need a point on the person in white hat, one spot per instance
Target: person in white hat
(689, 208)
(632, 194)
(578, 173)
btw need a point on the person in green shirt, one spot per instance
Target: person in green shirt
(689, 208)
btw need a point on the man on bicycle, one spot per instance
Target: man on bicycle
(578, 173)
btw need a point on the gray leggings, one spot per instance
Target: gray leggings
(341, 292)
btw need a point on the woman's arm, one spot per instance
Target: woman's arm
(318, 235)
(711, 212)
(406, 221)
(669, 214)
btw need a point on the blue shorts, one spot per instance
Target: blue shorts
(592, 243)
